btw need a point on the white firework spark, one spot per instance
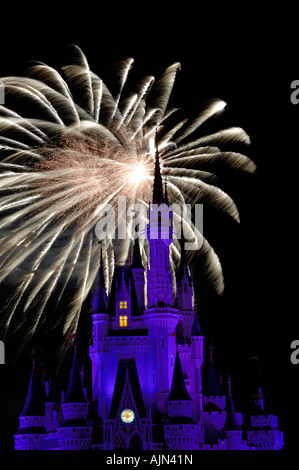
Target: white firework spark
(68, 147)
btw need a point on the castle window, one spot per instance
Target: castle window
(123, 305)
(123, 321)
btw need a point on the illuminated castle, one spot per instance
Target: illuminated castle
(147, 356)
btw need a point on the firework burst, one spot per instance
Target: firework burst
(68, 147)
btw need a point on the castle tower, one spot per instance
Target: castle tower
(32, 432)
(184, 294)
(100, 346)
(159, 235)
(138, 274)
(213, 391)
(197, 354)
(232, 431)
(214, 403)
(264, 433)
(160, 318)
(100, 285)
(74, 433)
(180, 429)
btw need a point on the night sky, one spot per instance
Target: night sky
(245, 59)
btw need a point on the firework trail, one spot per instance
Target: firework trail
(68, 147)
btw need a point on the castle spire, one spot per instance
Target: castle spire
(101, 302)
(158, 197)
(180, 428)
(99, 293)
(32, 432)
(213, 388)
(74, 432)
(183, 271)
(178, 389)
(231, 422)
(75, 393)
(35, 401)
(195, 330)
(137, 260)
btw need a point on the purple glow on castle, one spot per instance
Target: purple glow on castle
(147, 356)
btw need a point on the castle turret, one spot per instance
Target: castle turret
(214, 399)
(232, 431)
(184, 293)
(32, 432)
(197, 354)
(180, 429)
(74, 433)
(214, 403)
(99, 346)
(264, 433)
(100, 287)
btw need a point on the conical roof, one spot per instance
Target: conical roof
(196, 331)
(137, 260)
(75, 393)
(178, 389)
(99, 298)
(231, 422)
(35, 401)
(182, 270)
